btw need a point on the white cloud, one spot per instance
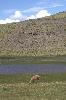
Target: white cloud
(19, 16)
(16, 15)
(9, 11)
(31, 17)
(40, 3)
(42, 13)
(57, 5)
(33, 9)
(50, 4)
(7, 20)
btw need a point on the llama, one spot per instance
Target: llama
(34, 78)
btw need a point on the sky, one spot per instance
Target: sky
(20, 10)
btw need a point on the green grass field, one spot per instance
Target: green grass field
(17, 87)
(32, 59)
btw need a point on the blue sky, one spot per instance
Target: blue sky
(17, 10)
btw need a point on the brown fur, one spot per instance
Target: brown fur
(34, 78)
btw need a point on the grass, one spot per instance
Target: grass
(24, 78)
(32, 59)
(17, 87)
(39, 91)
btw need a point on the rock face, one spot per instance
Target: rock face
(45, 36)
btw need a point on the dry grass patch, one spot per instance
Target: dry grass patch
(36, 91)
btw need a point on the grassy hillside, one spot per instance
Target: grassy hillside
(38, 37)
